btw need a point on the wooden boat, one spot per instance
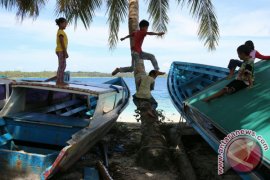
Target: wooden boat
(5, 90)
(186, 79)
(247, 109)
(46, 128)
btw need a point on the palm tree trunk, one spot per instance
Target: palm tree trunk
(133, 18)
(133, 24)
(153, 153)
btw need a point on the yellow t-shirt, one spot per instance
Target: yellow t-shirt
(58, 44)
(144, 91)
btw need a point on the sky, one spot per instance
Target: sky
(30, 45)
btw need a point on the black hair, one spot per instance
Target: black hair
(143, 23)
(60, 20)
(244, 49)
(153, 73)
(250, 44)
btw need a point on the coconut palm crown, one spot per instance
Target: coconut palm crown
(117, 12)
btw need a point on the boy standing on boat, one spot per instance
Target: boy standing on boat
(143, 98)
(137, 53)
(61, 50)
(245, 76)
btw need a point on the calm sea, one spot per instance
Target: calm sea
(160, 93)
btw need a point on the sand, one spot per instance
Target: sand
(123, 144)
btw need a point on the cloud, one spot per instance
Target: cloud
(29, 46)
(253, 24)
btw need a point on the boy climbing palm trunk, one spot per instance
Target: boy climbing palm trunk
(137, 53)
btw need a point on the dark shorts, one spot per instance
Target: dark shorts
(234, 63)
(140, 103)
(235, 86)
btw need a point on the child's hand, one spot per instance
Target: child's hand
(161, 33)
(66, 55)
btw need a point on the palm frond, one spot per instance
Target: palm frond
(8, 4)
(158, 13)
(117, 12)
(75, 10)
(203, 11)
(25, 8)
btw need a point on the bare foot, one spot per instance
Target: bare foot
(159, 73)
(115, 71)
(61, 84)
(229, 77)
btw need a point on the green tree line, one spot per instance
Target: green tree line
(48, 74)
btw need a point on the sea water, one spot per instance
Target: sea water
(160, 93)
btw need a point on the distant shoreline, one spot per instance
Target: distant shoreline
(48, 74)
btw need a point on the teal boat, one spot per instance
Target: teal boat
(46, 128)
(247, 109)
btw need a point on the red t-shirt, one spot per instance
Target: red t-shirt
(138, 37)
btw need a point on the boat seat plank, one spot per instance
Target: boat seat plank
(5, 138)
(2, 122)
(50, 119)
(90, 174)
(74, 111)
(56, 107)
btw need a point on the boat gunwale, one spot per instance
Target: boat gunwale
(71, 88)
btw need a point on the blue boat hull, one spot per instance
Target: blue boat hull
(186, 79)
(36, 143)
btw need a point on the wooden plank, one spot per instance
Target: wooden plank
(50, 119)
(2, 122)
(74, 111)
(40, 133)
(56, 107)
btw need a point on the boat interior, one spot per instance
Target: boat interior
(48, 118)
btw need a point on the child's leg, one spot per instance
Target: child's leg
(152, 58)
(232, 66)
(231, 88)
(216, 95)
(134, 57)
(61, 67)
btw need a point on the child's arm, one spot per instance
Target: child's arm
(128, 36)
(154, 33)
(250, 82)
(61, 38)
(248, 72)
(152, 86)
(262, 57)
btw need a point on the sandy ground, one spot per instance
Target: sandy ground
(123, 144)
